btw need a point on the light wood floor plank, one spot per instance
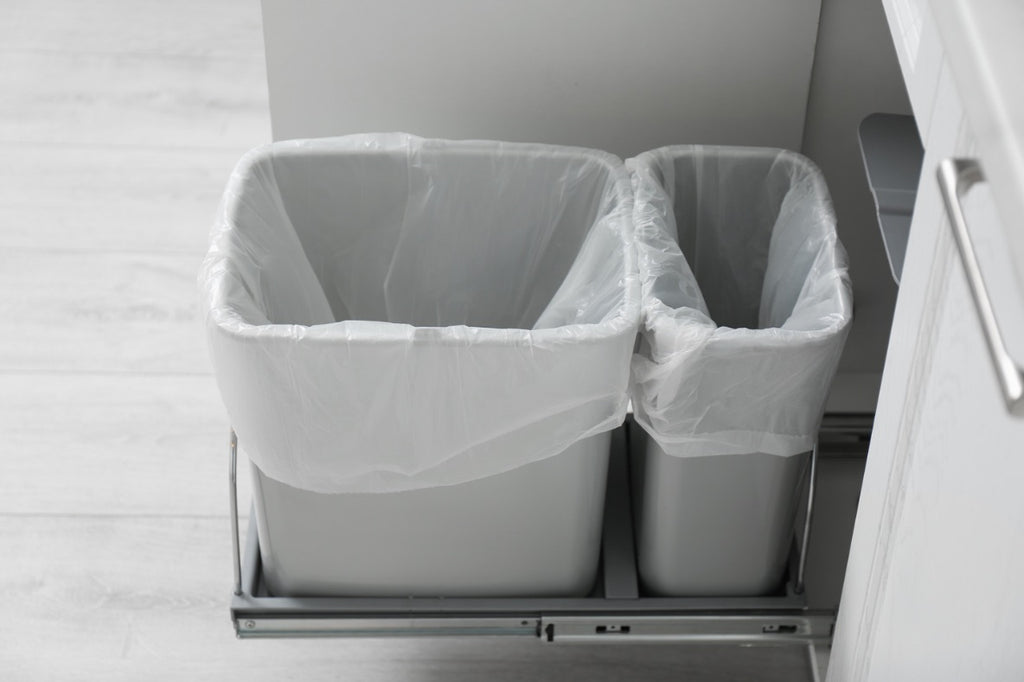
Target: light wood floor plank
(131, 99)
(114, 444)
(147, 599)
(109, 312)
(190, 27)
(109, 198)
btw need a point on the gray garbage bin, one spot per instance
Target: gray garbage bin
(423, 346)
(746, 307)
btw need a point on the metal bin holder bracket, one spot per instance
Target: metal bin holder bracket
(615, 611)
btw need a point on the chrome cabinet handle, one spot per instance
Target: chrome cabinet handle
(956, 176)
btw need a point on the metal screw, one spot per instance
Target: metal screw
(250, 624)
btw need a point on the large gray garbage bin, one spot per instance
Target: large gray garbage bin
(423, 346)
(746, 307)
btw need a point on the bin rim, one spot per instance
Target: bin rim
(655, 310)
(230, 321)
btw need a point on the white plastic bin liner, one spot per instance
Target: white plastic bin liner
(743, 326)
(389, 313)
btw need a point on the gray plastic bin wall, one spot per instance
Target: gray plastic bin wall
(742, 331)
(739, 546)
(534, 531)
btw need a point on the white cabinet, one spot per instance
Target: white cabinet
(934, 586)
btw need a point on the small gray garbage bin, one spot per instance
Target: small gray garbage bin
(746, 307)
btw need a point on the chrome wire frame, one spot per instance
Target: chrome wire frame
(586, 623)
(806, 539)
(233, 492)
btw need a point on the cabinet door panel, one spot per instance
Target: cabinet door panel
(933, 584)
(951, 599)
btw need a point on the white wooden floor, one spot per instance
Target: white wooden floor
(119, 123)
